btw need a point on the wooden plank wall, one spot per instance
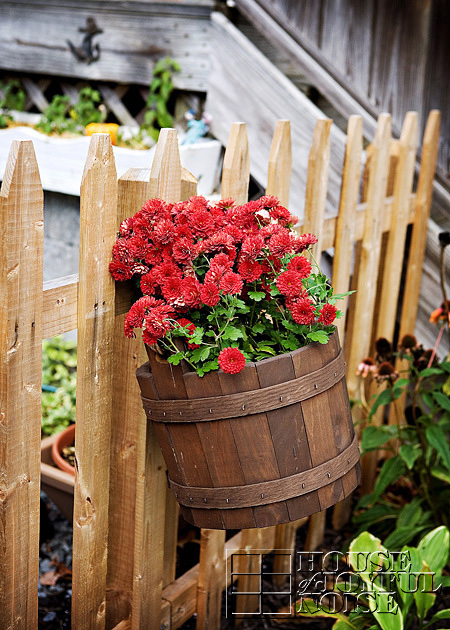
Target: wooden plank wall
(263, 95)
(389, 56)
(34, 34)
(133, 585)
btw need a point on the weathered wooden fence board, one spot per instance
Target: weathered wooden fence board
(21, 255)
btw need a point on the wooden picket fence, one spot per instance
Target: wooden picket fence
(125, 519)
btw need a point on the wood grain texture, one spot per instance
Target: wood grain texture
(280, 163)
(370, 252)
(34, 39)
(98, 206)
(236, 165)
(211, 579)
(128, 431)
(417, 247)
(345, 222)
(316, 184)
(21, 256)
(393, 258)
(258, 77)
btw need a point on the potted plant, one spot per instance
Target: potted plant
(245, 383)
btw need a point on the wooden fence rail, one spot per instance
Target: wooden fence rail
(125, 520)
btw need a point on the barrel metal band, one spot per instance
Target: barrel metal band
(246, 403)
(272, 491)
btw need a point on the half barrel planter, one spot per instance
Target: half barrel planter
(269, 445)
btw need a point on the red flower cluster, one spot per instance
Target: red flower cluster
(188, 256)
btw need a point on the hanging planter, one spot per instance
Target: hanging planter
(256, 455)
(245, 385)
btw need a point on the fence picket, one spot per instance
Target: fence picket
(344, 239)
(128, 423)
(316, 183)
(364, 302)
(280, 163)
(424, 193)
(236, 165)
(21, 247)
(98, 207)
(393, 260)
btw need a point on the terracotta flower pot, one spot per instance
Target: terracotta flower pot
(269, 445)
(63, 439)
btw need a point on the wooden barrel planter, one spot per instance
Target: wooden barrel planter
(269, 445)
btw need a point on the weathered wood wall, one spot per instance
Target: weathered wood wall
(34, 34)
(385, 55)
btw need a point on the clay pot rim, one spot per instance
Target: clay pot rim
(63, 439)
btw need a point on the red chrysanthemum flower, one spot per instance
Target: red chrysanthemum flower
(120, 270)
(250, 270)
(231, 360)
(171, 290)
(183, 250)
(223, 260)
(163, 232)
(121, 251)
(301, 265)
(268, 201)
(155, 209)
(327, 314)
(209, 294)
(231, 283)
(191, 292)
(251, 247)
(126, 227)
(300, 243)
(303, 311)
(201, 223)
(224, 204)
(281, 243)
(289, 283)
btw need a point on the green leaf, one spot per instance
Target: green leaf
(256, 295)
(391, 470)
(402, 536)
(409, 454)
(205, 353)
(436, 438)
(440, 473)
(442, 400)
(431, 371)
(175, 358)
(383, 398)
(410, 514)
(232, 333)
(318, 335)
(434, 548)
(373, 437)
(258, 328)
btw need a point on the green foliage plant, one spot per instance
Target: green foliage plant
(60, 116)
(157, 114)
(59, 361)
(412, 491)
(12, 98)
(389, 591)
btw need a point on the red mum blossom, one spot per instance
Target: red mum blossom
(183, 251)
(167, 269)
(201, 223)
(327, 314)
(222, 260)
(225, 203)
(220, 241)
(289, 283)
(236, 234)
(251, 247)
(268, 201)
(300, 243)
(231, 283)
(231, 360)
(171, 290)
(301, 265)
(191, 292)
(303, 311)
(281, 243)
(121, 250)
(120, 270)
(163, 232)
(250, 270)
(126, 227)
(209, 294)
(157, 322)
(155, 209)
